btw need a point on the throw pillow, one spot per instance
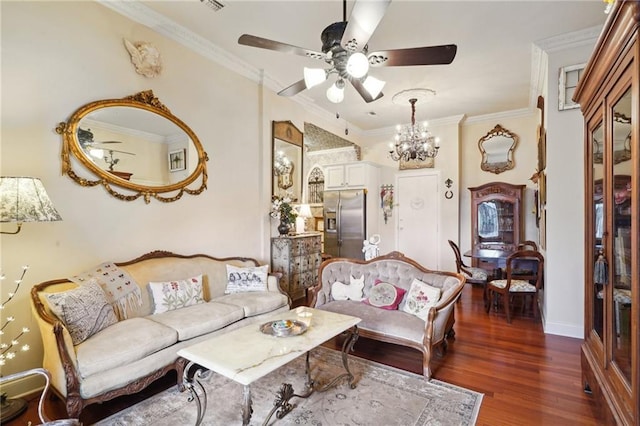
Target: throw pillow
(252, 278)
(420, 298)
(83, 310)
(171, 295)
(385, 295)
(353, 291)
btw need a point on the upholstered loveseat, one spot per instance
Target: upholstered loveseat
(394, 308)
(128, 354)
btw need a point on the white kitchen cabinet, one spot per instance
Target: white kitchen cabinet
(350, 176)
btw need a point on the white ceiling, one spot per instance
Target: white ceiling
(494, 70)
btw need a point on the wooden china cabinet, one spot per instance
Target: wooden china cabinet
(497, 220)
(609, 96)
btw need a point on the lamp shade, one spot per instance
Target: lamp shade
(24, 199)
(305, 211)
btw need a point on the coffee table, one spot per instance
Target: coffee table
(247, 354)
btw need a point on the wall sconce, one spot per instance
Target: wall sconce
(448, 193)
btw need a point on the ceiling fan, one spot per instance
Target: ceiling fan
(345, 50)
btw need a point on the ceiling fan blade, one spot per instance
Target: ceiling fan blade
(364, 19)
(294, 89)
(264, 43)
(432, 55)
(363, 92)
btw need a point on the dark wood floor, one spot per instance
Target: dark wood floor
(527, 377)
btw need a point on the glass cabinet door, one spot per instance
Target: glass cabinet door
(496, 221)
(621, 263)
(600, 272)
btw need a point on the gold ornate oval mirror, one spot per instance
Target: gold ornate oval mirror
(287, 160)
(134, 143)
(497, 148)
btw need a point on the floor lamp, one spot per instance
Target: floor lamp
(22, 199)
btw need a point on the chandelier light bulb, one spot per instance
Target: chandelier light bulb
(357, 65)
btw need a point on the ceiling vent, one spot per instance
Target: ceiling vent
(213, 4)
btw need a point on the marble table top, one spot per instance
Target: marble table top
(246, 354)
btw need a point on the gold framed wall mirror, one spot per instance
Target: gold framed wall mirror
(497, 148)
(134, 147)
(286, 161)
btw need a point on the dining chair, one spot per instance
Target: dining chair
(528, 245)
(516, 285)
(472, 274)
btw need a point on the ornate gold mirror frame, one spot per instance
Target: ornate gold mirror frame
(162, 154)
(287, 141)
(497, 148)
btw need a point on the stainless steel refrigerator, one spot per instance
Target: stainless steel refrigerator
(345, 223)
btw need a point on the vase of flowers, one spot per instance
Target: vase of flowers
(282, 210)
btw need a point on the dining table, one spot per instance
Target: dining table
(497, 256)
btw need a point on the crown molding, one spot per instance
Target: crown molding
(570, 40)
(515, 113)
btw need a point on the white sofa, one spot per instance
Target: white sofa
(396, 326)
(127, 356)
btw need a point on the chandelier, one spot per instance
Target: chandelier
(414, 142)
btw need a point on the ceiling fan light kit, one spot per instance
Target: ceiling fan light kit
(314, 76)
(373, 86)
(335, 93)
(345, 49)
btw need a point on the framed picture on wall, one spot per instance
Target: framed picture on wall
(567, 82)
(177, 160)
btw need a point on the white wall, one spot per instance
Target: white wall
(564, 267)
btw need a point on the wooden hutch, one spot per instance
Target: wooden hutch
(497, 220)
(609, 96)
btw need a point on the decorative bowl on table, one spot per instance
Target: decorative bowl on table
(283, 328)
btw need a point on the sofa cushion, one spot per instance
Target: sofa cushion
(84, 310)
(393, 323)
(176, 294)
(385, 295)
(122, 343)
(255, 303)
(252, 278)
(199, 319)
(420, 298)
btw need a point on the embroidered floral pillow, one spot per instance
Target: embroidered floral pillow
(84, 310)
(385, 296)
(420, 298)
(252, 278)
(171, 295)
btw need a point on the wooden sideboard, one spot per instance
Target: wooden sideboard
(297, 258)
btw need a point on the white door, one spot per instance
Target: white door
(419, 218)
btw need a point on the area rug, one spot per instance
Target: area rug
(383, 396)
